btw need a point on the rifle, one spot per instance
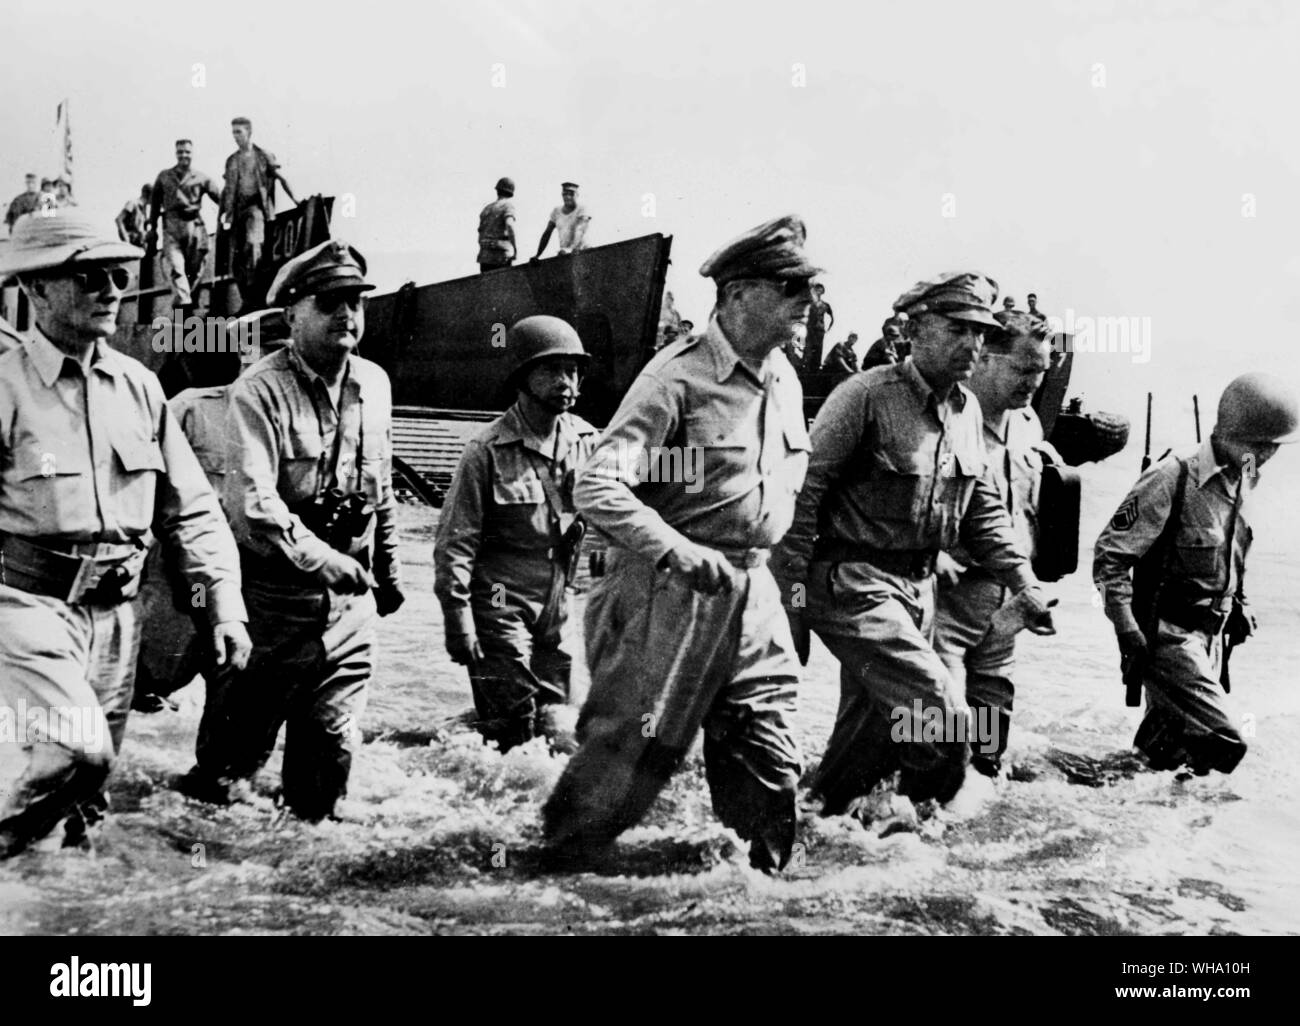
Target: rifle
(1196, 415)
(1146, 452)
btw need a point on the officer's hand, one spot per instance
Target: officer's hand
(948, 570)
(1038, 612)
(464, 649)
(345, 575)
(1027, 609)
(388, 600)
(705, 569)
(225, 224)
(231, 644)
(1132, 644)
(802, 636)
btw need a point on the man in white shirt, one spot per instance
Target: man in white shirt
(570, 219)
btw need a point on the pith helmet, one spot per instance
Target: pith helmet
(49, 241)
(538, 337)
(1258, 408)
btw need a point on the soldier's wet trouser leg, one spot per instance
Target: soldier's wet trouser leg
(66, 675)
(525, 664)
(323, 728)
(981, 663)
(666, 660)
(310, 663)
(898, 706)
(1186, 719)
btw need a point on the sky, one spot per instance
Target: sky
(1121, 160)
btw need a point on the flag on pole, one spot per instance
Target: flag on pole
(64, 128)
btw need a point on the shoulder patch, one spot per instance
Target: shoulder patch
(1126, 516)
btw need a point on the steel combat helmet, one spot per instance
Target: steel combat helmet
(538, 338)
(1258, 408)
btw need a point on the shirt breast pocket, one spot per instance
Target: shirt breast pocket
(520, 517)
(900, 488)
(376, 465)
(300, 465)
(139, 462)
(958, 475)
(525, 491)
(720, 450)
(56, 482)
(1201, 553)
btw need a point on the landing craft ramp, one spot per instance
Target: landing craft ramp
(444, 345)
(445, 350)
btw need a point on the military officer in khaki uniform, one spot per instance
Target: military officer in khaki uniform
(898, 474)
(309, 493)
(171, 651)
(693, 481)
(981, 660)
(508, 539)
(1171, 564)
(90, 461)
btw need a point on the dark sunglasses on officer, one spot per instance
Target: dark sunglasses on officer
(790, 288)
(328, 302)
(94, 280)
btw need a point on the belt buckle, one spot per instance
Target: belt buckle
(87, 578)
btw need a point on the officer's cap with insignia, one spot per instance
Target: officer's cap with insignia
(331, 266)
(772, 250)
(958, 295)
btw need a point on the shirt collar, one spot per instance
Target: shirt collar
(514, 428)
(48, 358)
(1207, 464)
(725, 358)
(927, 395)
(304, 370)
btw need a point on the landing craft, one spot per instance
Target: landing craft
(443, 344)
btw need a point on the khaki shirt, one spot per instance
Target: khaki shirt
(9, 338)
(1200, 569)
(1015, 451)
(180, 196)
(100, 457)
(201, 413)
(703, 447)
(497, 510)
(280, 434)
(894, 467)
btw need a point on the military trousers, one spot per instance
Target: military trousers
(520, 606)
(66, 676)
(980, 661)
(185, 249)
(899, 709)
(665, 661)
(1187, 720)
(249, 240)
(311, 661)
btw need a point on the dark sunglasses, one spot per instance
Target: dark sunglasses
(328, 302)
(96, 278)
(790, 287)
